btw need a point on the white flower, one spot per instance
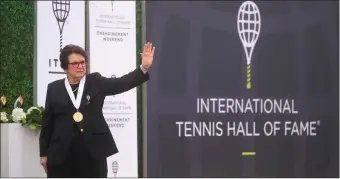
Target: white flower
(18, 114)
(3, 117)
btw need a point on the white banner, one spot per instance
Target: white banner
(58, 23)
(112, 47)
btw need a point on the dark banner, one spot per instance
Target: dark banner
(243, 89)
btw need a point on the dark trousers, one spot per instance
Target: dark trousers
(79, 164)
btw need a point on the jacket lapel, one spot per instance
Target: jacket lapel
(64, 97)
(90, 91)
(86, 96)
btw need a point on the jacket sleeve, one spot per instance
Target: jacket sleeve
(47, 125)
(112, 86)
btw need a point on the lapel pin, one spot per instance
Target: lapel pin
(88, 99)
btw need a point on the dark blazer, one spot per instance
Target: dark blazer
(57, 127)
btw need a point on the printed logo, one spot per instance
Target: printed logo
(115, 168)
(61, 10)
(248, 26)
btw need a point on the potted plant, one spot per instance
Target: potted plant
(32, 118)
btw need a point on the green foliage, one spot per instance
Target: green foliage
(16, 52)
(33, 118)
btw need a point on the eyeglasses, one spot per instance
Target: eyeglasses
(76, 64)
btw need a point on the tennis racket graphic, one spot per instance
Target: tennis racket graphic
(115, 168)
(61, 10)
(248, 26)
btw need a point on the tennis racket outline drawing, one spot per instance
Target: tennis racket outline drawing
(249, 35)
(61, 11)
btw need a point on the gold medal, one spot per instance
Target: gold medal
(78, 117)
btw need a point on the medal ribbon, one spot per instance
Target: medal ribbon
(76, 102)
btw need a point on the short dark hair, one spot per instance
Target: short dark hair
(67, 51)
